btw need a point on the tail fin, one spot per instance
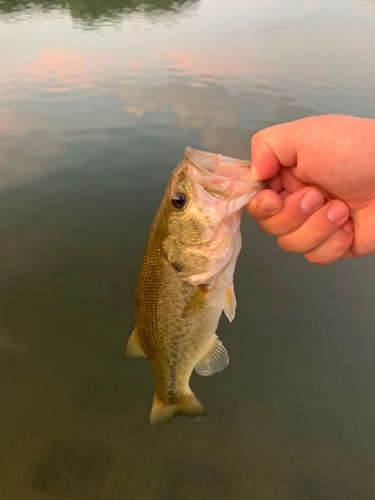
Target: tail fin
(162, 413)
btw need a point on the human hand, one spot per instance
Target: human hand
(336, 154)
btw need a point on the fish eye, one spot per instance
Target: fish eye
(179, 200)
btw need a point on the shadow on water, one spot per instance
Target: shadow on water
(93, 12)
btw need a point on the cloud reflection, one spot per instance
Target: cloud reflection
(192, 106)
(225, 118)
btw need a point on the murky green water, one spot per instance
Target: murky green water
(97, 101)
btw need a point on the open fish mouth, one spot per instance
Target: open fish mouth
(217, 164)
(224, 177)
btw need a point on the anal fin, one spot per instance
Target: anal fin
(230, 303)
(215, 358)
(133, 347)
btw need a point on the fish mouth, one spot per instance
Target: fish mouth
(217, 164)
(222, 176)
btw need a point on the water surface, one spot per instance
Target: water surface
(98, 100)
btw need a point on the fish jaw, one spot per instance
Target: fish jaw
(224, 177)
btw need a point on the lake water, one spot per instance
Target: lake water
(97, 103)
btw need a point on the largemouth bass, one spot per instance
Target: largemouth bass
(186, 278)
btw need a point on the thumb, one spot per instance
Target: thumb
(273, 148)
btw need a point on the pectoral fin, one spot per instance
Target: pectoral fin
(215, 358)
(133, 347)
(230, 303)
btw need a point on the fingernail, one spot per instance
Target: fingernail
(311, 201)
(348, 226)
(267, 208)
(337, 212)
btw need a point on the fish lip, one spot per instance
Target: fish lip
(189, 158)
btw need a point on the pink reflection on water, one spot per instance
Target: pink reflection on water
(62, 69)
(136, 64)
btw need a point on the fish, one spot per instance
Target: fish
(186, 278)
